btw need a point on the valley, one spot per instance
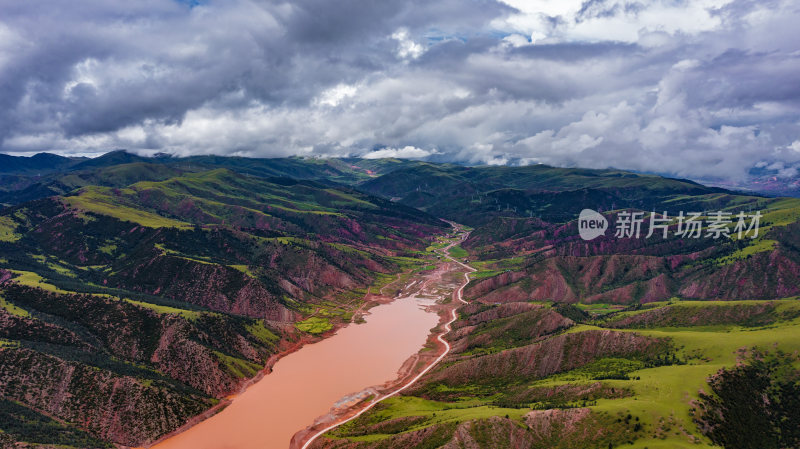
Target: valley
(128, 312)
(152, 302)
(447, 307)
(491, 224)
(397, 341)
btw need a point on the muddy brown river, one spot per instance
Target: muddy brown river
(304, 385)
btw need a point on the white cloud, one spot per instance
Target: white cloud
(406, 47)
(693, 89)
(335, 95)
(517, 40)
(546, 7)
(615, 20)
(407, 152)
(781, 170)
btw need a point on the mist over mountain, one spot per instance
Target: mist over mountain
(702, 90)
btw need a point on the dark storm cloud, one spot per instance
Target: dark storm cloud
(700, 88)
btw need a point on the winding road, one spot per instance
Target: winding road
(440, 337)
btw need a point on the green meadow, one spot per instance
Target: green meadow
(659, 398)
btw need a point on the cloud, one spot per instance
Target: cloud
(696, 89)
(612, 20)
(335, 95)
(406, 47)
(780, 169)
(407, 152)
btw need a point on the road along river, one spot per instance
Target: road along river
(326, 383)
(308, 437)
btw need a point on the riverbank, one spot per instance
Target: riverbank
(331, 376)
(414, 368)
(426, 291)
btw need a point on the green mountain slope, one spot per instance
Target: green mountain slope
(474, 195)
(677, 375)
(37, 164)
(128, 310)
(538, 260)
(119, 169)
(570, 343)
(153, 287)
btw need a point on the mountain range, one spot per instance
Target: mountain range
(138, 292)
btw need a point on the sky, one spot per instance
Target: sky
(696, 89)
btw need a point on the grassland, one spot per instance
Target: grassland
(191, 315)
(12, 309)
(240, 368)
(32, 279)
(259, 331)
(7, 228)
(759, 245)
(599, 308)
(98, 200)
(662, 395)
(433, 412)
(458, 252)
(314, 325)
(660, 398)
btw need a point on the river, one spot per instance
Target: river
(304, 385)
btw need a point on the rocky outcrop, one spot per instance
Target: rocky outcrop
(485, 287)
(570, 279)
(477, 313)
(654, 289)
(625, 279)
